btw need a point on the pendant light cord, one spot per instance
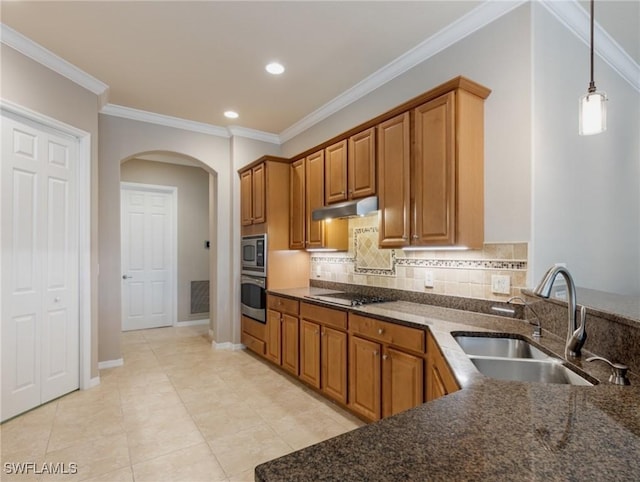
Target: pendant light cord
(592, 84)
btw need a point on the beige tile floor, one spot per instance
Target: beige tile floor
(177, 410)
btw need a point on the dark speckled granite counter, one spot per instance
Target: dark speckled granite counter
(490, 429)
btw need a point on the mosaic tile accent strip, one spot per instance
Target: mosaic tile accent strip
(463, 263)
(333, 259)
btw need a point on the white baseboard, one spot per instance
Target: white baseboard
(227, 345)
(93, 382)
(204, 321)
(110, 364)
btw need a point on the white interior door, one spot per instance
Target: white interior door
(39, 219)
(148, 256)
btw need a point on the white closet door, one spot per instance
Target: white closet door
(147, 230)
(39, 219)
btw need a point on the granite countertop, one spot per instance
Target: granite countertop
(488, 430)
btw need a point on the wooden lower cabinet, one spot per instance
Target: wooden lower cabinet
(310, 352)
(290, 341)
(365, 377)
(333, 355)
(402, 381)
(253, 335)
(439, 379)
(274, 322)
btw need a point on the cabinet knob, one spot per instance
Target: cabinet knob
(317, 332)
(375, 352)
(415, 236)
(342, 192)
(384, 357)
(380, 331)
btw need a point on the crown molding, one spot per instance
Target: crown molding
(576, 19)
(476, 19)
(163, 120)
(45, 57)
(187, 125)
(239, 131)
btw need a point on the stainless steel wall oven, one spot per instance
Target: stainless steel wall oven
(253, 297)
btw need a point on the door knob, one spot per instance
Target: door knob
(125, 276)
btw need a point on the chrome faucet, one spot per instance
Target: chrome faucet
(576, 335)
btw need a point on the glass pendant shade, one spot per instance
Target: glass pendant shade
(593, 113)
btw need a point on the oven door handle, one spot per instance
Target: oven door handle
(253, 281)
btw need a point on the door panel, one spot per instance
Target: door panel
(334, 364)
(310, 352)
(148, 229)
(40, 329)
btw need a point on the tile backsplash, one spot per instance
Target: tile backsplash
(456, 273)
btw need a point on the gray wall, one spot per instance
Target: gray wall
(29, 84)
(193, 220)
(586, 190)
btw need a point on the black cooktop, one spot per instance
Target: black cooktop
(348, 299)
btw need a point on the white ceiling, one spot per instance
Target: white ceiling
(194, 60)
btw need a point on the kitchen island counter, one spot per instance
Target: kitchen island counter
(488, 430)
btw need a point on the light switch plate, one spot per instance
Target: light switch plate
(501, 284)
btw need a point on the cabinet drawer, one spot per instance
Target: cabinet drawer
(253, 343)
(283, 305)
(254, 328)
(324, 316)
(397, 335)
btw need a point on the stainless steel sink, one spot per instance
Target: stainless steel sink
(499, 347)
(522, 370)
(515, 359)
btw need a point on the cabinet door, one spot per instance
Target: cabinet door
(402, 381)
(290, 344)
(259, 194)
(362, 164)
(297, 205)
(335, 172)
(246, 199)
(364, 377)
(334, 364)
(435, 173)
(439, 381)
(393, 177)
(310, 353)
(274, 320)
(314, 198)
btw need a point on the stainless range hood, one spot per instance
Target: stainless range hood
(347, 209)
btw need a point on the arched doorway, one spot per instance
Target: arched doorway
(166, 233)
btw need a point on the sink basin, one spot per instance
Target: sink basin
(499, 347)
(522, 370)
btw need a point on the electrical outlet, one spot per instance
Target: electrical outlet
(428, 279)
(501, 284)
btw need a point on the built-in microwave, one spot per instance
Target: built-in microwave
(254, 255)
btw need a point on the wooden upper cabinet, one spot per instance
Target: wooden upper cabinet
(314, 178)
(434, 172)
(297, 216)
(335, 172)
(448, 176)
(394, 181)
(253, 195)
(246, 198)
(259, 188)
(350, 168)
(362, 164)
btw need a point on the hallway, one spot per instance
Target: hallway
(177, 410)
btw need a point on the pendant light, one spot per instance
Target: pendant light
(593, 108)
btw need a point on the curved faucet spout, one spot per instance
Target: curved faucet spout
(576, 335)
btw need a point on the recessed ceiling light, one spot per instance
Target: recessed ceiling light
(230, 114)
(274, 68)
